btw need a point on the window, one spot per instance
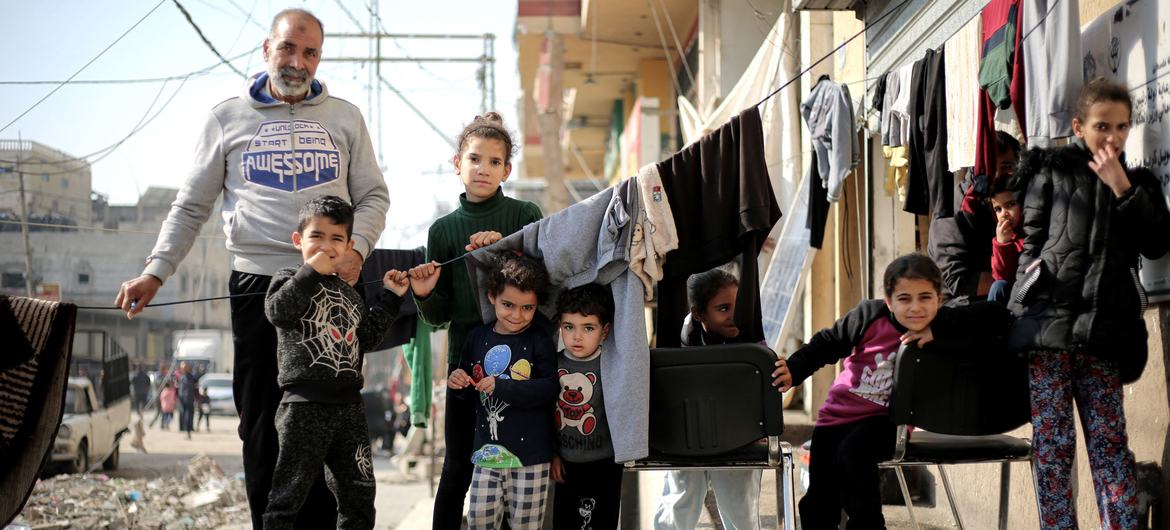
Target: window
(12, 280)
(45, 177)
(83, 278)
(64, 182)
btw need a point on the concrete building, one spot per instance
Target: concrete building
(87, 264)
(649, 52)
(56, 184)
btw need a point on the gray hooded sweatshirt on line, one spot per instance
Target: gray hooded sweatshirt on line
(269, 158)
(589, 242)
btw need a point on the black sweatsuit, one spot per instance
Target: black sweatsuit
(323, 330)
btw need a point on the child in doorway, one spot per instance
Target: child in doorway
(1088, 220)
(711, 296)
(507, 370)
(853, 431)
(589, 482)
(323, 330)
(484, 216)
(1007, 243)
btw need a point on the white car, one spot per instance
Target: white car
(219, 388)
(89, 432)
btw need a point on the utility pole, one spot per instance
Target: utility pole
(550, 105)
(28, 288)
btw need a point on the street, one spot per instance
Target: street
(166, 481)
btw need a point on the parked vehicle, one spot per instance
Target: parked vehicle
(219, 389)
(90, 430)
(211, 349)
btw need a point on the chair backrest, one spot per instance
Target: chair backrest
(969, 389)
(707, 400)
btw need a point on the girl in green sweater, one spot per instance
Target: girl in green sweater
(484, 216)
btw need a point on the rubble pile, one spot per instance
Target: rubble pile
(203, 498)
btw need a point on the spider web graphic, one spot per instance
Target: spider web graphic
(329, 329)
(365, 461)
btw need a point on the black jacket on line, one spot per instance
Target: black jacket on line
(1088, 297)
(929, 185)
(723, 207)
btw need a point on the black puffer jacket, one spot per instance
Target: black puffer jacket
(1087, 296)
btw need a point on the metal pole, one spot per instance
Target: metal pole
(492, 65)
(483, 79)
(378, 74)
(28, 290)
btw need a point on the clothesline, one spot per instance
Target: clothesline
(835, 50)
(241, 295)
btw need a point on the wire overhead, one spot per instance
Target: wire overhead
(83, 67)
(207, 42)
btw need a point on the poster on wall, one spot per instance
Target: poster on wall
(1130, 43)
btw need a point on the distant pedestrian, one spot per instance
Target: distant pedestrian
(188, 388)
(166, 401)
(140, 385)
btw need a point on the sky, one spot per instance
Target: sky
(54, 39)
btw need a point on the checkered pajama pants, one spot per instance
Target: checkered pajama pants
(519, 492)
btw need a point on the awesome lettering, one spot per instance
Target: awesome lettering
(315, 165)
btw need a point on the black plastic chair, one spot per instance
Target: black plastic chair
(960, 399)
(714, 407)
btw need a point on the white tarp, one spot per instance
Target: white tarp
(774, 64)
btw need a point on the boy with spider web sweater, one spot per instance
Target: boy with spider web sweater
(323, 330)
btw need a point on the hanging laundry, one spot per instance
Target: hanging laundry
(723, 207)
(929, 186)
(1053, 71)
(962, 79)
(896, 109)
(37, 336)
(654, 231)
(828, 113)
(407, 329)
(879, 93)
(376, 265)
(895, 135)
(1001, 76)
(897, 170)
(818, 206)
(563, 242)
(417, 353)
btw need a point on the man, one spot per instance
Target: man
(283, 142)
(140, 384)
(187, 386)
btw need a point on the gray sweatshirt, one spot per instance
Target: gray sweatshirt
(565, 242)
(323, 329)
(268, 158)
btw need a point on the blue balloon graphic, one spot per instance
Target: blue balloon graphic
(497, 359)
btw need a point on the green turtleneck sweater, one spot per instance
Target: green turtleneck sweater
(453, 301)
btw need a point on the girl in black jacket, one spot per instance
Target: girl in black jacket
(1087, 221)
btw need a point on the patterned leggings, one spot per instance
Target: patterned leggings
(1057, 378)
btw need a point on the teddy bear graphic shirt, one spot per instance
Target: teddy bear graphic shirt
(863, 387)
(580, 415)
(512, 424)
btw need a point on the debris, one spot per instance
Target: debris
(204, 498)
